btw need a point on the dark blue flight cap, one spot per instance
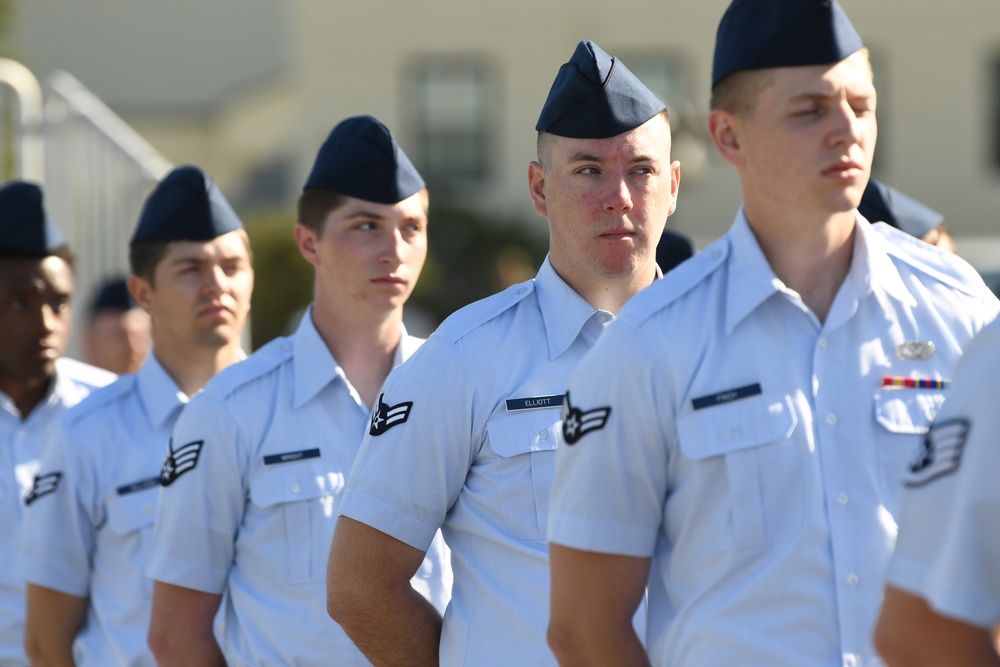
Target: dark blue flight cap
(25, 227)
(881, 203)
(361, 159)
(759, 34)
(595, 96)
(112, 296)
(185, 206)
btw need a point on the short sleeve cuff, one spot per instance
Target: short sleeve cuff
(387, 519)
(948, 598)
(186, 575)
(61, 579)
(605, 538)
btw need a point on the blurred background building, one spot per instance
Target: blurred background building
(248, 89)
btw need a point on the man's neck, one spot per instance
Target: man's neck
(26, 394)
(363, 347)
(810, 256)
(192, 366)
(608, 293)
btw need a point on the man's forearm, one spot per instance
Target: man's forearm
(401, 628)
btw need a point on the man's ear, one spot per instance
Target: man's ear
(139, 288)
(723, 127)
(536, 186)
(305, 239)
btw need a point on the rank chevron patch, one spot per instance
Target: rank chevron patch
(578, 423)
(939, 453)
(386, 416)
(42, 486)
(179, 461)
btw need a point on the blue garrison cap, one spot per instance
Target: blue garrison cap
(595, 96)
(881, 203)
(25, 227)
(185, 206)
(759, 34)
(112, 296)
(361, 159)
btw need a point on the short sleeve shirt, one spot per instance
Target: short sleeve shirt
(253, 483)
(89, 529)
(755, 453)
(21, 444)
(464, 439)
(949, 531)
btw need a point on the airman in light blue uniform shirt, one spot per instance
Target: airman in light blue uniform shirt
(37, 384)
(943, 581)
(740, 431)
(473, 419)
(260, 458)
(89, 531)
(92, 536)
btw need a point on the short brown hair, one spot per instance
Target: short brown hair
(317, 203)
(143, 256)
(737, 92)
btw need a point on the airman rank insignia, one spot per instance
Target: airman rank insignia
(386, 416)
(939, 453)
(43, 486)
(179, 461)
(578, 423)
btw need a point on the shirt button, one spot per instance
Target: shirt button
(831, 419)
(147, 510)
(842, 499)
(736, 432)
(522, 290)
(716, 254)
(822, 343)
(295, 487)
(542, 434)
(852, 579)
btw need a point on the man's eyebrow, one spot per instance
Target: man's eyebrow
(365, 214)
(588, 157)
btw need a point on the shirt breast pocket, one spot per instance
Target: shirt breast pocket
(294, 515)
(747, 443)
(903, 417)
(525, 444)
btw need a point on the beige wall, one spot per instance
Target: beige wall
(341, 58)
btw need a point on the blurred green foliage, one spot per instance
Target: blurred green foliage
(470, 256)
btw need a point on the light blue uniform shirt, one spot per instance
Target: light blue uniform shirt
(259, 462)
(752, 451)
(21, 444)
(475, 455)
(948, 551)
(91, 535)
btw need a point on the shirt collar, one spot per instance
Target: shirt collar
(873, 269)
(160, 395)
(315, 366)
(564, 312)
(752, 281)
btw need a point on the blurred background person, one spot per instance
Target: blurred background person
(882, 203)
(117, 336)
(36, 382)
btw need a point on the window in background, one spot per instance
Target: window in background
(451, 116)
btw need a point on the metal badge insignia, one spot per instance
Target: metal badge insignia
(915, 349)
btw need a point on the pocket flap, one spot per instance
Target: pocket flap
(907, 410)
(133, 511)
(291, 483)
(514, 433)
(731, 427)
